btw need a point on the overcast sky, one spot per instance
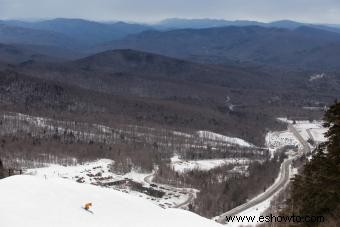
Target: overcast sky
(321, 11)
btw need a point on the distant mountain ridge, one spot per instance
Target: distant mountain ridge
(29, 36)
(84, 31)
(178, 23)
(63, 38)
(281, 43)
(304, 47)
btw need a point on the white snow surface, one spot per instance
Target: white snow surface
(205, 165)
(219, 137)
(32, 201)
(319, 134)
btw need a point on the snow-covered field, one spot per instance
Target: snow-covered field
(183, 166)
(32, 201)
(98, 173)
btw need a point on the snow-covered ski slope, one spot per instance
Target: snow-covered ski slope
(35, 202)
(183, 166)
(222, 138)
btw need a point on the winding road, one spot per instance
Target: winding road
(277, 186)
(190, 192)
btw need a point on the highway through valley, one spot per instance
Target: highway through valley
(277, 186)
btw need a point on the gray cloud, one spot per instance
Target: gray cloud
(325, 11)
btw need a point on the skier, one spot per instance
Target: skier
(87, 206)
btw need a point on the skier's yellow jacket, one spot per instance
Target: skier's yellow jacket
(87, 206)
